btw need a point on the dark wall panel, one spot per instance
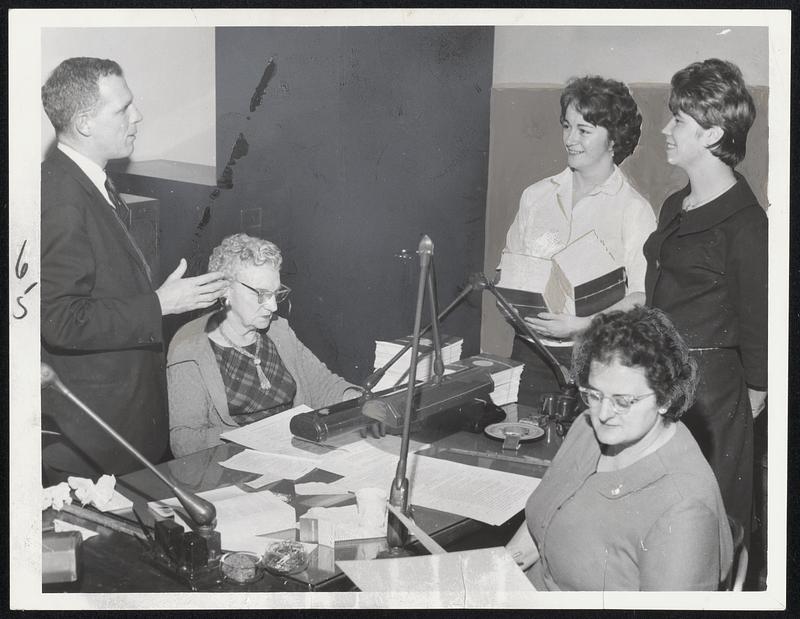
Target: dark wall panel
(363, 140)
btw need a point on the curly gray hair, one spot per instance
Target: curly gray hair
(239, 251)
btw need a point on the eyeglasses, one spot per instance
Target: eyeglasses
(266, 295)
(621, 403)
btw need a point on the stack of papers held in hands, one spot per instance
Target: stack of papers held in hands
(584, 279)
(580, 279)
(397, 374)
(523, 280)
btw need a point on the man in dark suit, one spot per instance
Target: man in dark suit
(101, 311)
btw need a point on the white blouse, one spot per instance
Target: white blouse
(622, 219)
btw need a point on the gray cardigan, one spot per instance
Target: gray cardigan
(198, 406)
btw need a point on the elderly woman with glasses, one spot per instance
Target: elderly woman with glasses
(242, 363)
(629, 502)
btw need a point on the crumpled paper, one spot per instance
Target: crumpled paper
(56, 496)
(98, 494)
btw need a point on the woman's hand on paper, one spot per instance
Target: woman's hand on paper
(561, 326)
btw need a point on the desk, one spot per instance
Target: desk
(113, 562)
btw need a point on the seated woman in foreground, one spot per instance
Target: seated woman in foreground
(242, 363)
(629, 502)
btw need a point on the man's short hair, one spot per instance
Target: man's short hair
(73, 87)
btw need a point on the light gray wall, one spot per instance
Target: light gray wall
(171, 74)
(643, 54)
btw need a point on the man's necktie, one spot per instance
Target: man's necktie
(123, 213)
(123, 210)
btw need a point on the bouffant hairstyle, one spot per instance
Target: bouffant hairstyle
(608, 104)
(645, 338)
(239, 251)
(714, 94)
(73, 87)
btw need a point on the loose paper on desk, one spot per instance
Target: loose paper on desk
(271, 466)
(379, 448)
(241, 513)
(272, 435)
(474, 492)
(486, 495)
(316, 488)
(60, 526)
(486, 578)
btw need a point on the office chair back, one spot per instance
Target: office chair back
(736, 576)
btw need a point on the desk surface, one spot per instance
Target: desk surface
(115, 562)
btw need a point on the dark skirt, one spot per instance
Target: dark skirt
(721, 422)
(537, 376)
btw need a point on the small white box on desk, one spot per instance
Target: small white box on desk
(317, 531)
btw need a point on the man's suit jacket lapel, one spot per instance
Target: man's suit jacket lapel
(102, 208)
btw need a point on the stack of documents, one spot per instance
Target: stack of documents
(397, 374)
(505, 375)
(506, 381)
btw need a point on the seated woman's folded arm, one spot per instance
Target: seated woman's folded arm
(681, 552)
(190, 408)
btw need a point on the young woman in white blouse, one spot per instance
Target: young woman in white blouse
(601, 125)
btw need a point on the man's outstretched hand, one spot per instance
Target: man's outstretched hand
(180, 294)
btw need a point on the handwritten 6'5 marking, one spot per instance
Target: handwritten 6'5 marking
(20, 270)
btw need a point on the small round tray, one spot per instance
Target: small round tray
(286, 557)
(526, 430)
(241, 567)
